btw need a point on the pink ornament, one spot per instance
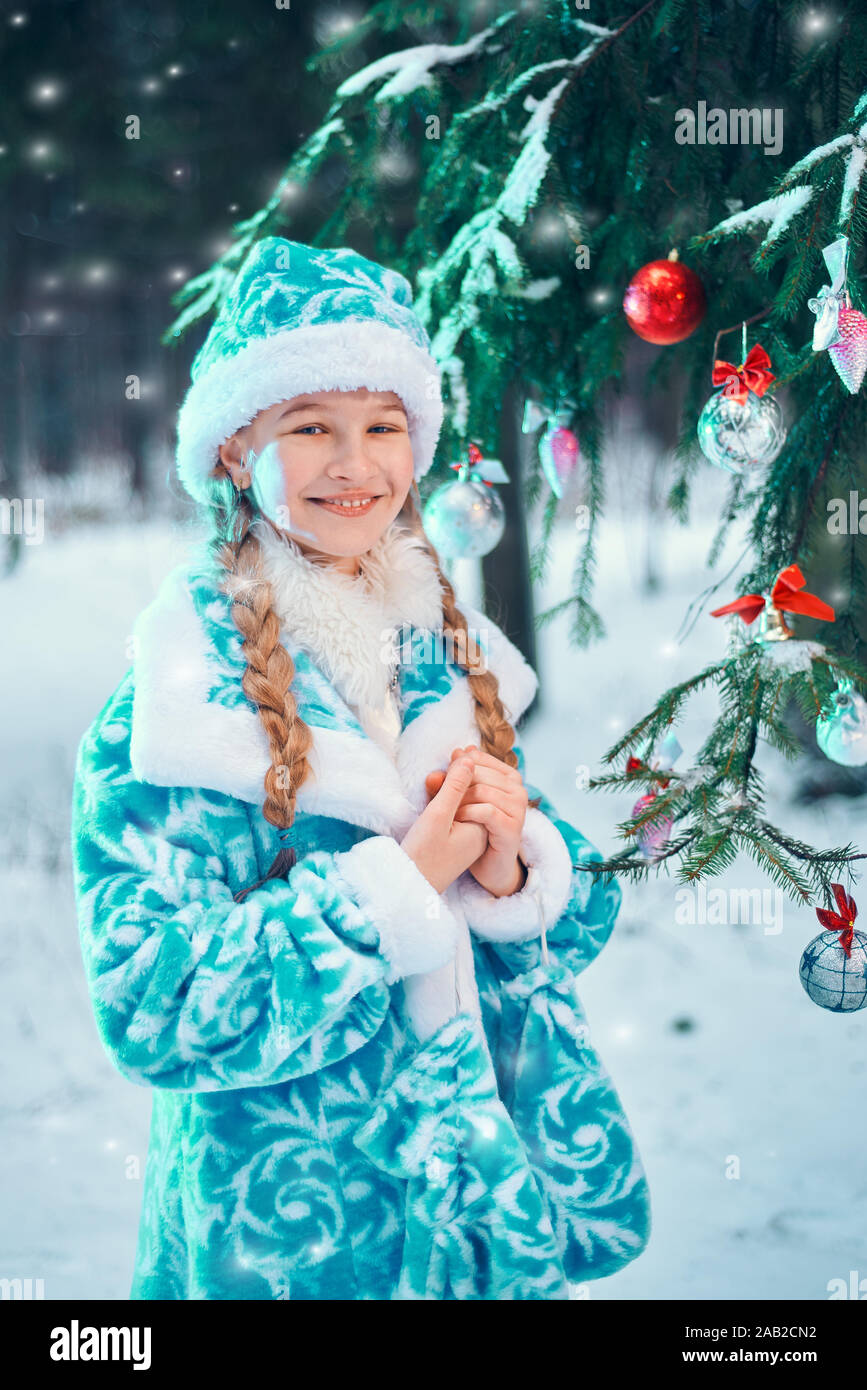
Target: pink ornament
(850, 354)
(650, 838)
(558, 449)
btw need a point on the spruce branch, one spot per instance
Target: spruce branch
(664, 711)
(807, 510)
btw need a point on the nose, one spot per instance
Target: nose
(351, 457)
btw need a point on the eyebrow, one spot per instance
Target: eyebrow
(314, 405)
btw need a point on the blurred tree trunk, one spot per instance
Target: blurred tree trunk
(11, 383)
(53, 388)
(655, 510)
(506, 569)
(131, 357)
(660, 414)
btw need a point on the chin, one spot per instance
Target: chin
(347, 538)
(365, 538)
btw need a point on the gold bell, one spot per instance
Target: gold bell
(772, 624)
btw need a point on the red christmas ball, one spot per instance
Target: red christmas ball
(664, 302)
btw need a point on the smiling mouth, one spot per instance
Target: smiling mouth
(350, 506)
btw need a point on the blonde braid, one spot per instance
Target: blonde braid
(497, 737)
(270, 670)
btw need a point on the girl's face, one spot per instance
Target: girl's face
(309, 456)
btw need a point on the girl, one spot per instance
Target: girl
(319, 914)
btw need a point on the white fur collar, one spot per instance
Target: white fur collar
(343, 622)
(182, 736)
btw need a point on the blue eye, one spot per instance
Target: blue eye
(302, 429)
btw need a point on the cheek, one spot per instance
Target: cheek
(404, 466)
(276, 480)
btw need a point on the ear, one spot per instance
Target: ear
(232, 454)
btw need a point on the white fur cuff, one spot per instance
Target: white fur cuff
(417, 930)
(549, 881)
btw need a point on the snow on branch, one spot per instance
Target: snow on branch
(412, 67)
(798, 656)
(596, 29)
(482, 239)
(320, 138)
(778, 211)
(493, 103)
(525, 177)
(854, 171)
(821, 152)
(787, 202)
(537, 289)
(522, 186)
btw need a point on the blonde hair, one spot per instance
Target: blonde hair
(267, 679)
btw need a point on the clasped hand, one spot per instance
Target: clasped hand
(495, 799)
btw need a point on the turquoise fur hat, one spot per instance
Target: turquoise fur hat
(297, 319)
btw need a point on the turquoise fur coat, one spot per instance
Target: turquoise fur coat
(361, 1089)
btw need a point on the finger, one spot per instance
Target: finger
(468, 752)
(495, 820)
(477, 832)
(498, 776)
(457, 780)
(433, 781)
(478, 793)
(482, 759)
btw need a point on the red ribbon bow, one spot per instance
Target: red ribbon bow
(636, 765)
(476, 457)
(845, 918)
(753, 374)
(784, 595)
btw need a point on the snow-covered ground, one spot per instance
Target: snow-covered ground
(747, 1101)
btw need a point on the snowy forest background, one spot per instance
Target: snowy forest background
(717, 1053)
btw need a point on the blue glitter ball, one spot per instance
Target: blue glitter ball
(832, 979)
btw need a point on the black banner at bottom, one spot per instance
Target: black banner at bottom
(64, 1338)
